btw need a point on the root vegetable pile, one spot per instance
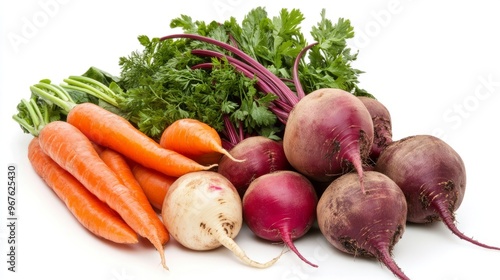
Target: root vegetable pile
(225, 125)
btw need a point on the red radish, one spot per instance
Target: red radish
(328, 132)
(262, 155)
(280, 206)
(382, 125)
(365, 224)
(432, 176)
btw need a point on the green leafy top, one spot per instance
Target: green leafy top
(35, 113)
(169, 79)
(50, 102)
(160, 86)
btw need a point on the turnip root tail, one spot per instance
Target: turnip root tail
(448, 219)
(229, 243)
(385, 257)
(287, 238)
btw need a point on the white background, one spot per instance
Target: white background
(436, 66)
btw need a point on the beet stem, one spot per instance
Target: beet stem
(296, 80)
(290, 96)
(286, 236)
(449, 221)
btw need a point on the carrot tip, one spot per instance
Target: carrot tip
(208, 167)
(163, 262)
(233, 158)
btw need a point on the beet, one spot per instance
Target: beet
(432, 176)
(281, 206)
(329, 132)
(382, 125)
(365, 224)
(261, 155)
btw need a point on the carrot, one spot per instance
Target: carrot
(74, 152)
(92, 213)
(113, 131)
(119, 165)
(155, 184)
(193, 139)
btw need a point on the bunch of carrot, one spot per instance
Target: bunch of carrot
(110, 175)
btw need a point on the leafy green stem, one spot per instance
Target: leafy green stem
(92, 87)
(53, 94)
(34, 114)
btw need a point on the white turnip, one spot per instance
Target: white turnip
(203, 211)
(432, 176)
(261, 155)
(364, 224)
(280, 206)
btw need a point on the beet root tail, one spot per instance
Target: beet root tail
(354, 157)
(385, 257)
(449, 221)
(287, 238)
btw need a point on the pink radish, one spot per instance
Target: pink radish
(364, 224)
(432, 176)
(280, 206)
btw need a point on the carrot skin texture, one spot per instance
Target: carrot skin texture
(92, 213)
(115, 132)
(119, 165)
(154, 184)
(74, 152)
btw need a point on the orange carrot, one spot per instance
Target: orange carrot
(119, 165)
(155, 184)
(193, 139)
(115, 132)
(74, 152)
(91, 212)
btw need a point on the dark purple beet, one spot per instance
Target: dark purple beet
(432, 177)
(280, 206)
(382, 125)
(261, 155)
(364, 224)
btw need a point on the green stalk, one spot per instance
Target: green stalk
(92, 87)
(49, 92)
(36, 117)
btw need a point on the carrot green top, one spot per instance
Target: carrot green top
(50, 102)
